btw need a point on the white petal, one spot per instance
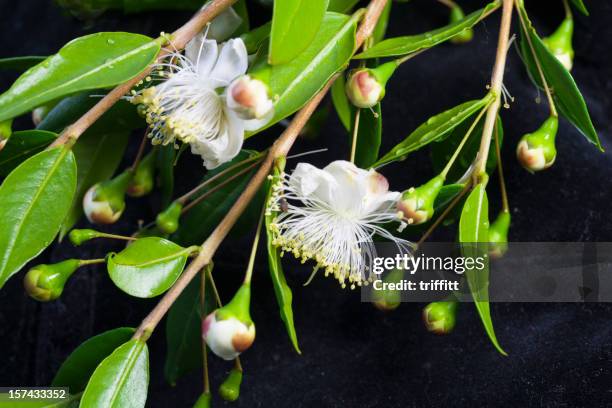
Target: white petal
(352, 185)
(202, 53)
(255, 124)
(232, 62)
(311, 182)
(219, 337)
(224, 25)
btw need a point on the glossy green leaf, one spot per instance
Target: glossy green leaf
(399, 46)
(184, 330)
(369, 134)
(121, 380)
(342, 6)
(442, 151)
(22, 145)
(34, 200)
(122, 116)
(474, 238)
(294, 25)
(20, 63)
(199, 222)
(435, 128)
(147, 267)
(567, 97)
(579, 4)
(97, 157)
(281, 289)
(341, 102)
(447, 194)
(295, 84)
(70, 402)
(94, 61)
(82, 362)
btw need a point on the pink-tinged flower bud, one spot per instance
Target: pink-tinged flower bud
(229, 330)
(249, 98)
(46, 282)
(536, 151)
(365, 87)
(417, 204)
(104, 202)
(440, 317)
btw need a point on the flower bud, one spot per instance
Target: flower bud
(6, 129)
(439, 317)
(417, 204)
(142, 181)
(365, 87)
(168, 220)
(559, 43)
(498, 235)
(248, 97)
(388, 300)
(229, 330)
(229, 390)
(203, 401)
(536, 151)
(104, 202)
(79, 236)
(464, 36)
(46, 282)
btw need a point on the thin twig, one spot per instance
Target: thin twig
(280, 148)
(355, 134)
(500, 171)
(204, 348)
(141, 149)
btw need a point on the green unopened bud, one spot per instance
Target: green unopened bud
(229, 330)
(559, 43)
(417, 204)
(536, 151)
(46, 282)
(79, 236)
(439, 317)
(6, 129)
(386, 299)
(365, 87)
(464, 36)
(168, 220)
(104, 202)
(498, 235)
(143, 179)
(203, 401)
(229, 390)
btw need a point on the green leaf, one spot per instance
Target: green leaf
(442, 151)
(341, 102)
(447, 194)
(197, 224)
(82, 362)
(281, 289)
(94, 61)
(20, 63)
(34, 200)
(148, 266)
(474, 238)
(294, 25)
(21, 146)
(97, 157)
(579, 4)
(369, 134)
(399, 46)
(71, 401)
(381, 26)
(121, 380)
(342, 6)
(122, 115)
(295, 84)
(566, 95)
(434, 129)
(184, 330)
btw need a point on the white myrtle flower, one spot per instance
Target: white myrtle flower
(331, 215)
(189, 102)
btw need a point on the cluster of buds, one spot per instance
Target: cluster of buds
(365, 87)
(440, 317)
(536, 151)
(417, 204)
(229, 330)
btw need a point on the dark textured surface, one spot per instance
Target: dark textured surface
(560, 354)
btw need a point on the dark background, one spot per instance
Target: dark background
(354, 355)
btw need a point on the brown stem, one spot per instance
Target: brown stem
(497, 79)
(280, 148)
(179, 38)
